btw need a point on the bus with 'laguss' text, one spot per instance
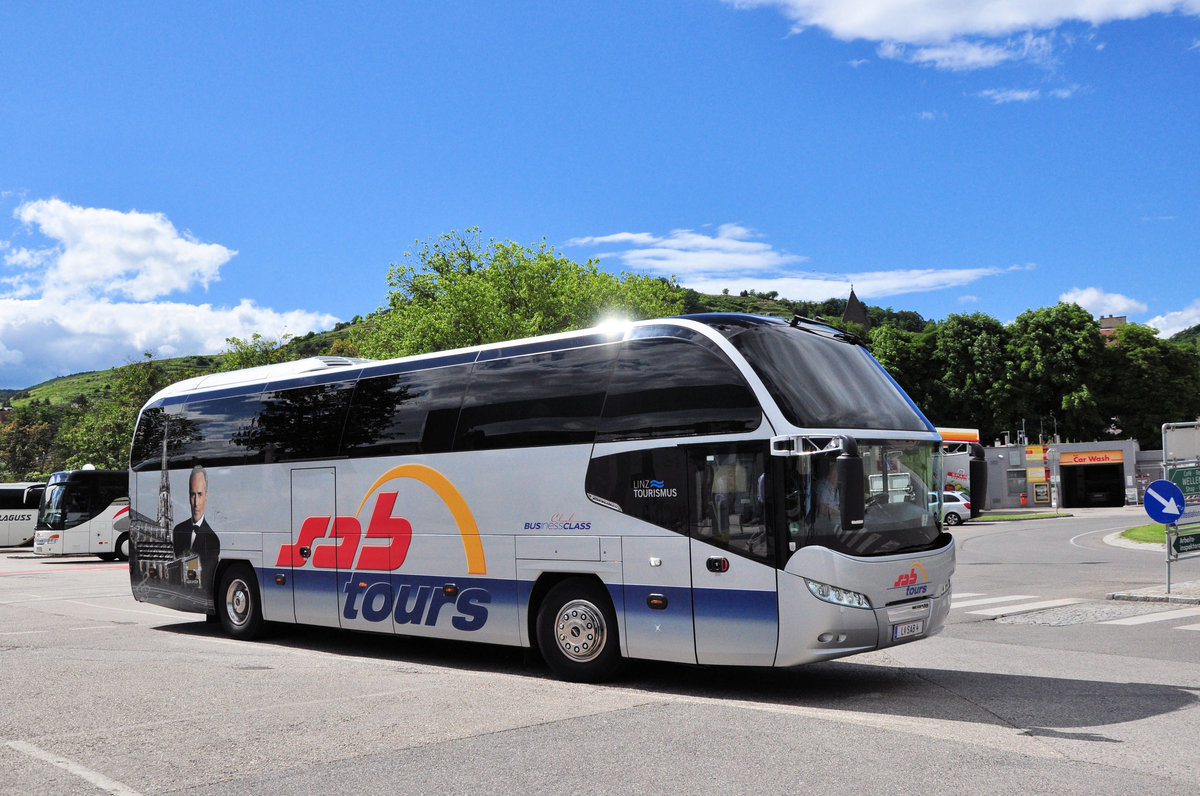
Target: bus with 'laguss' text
(84, 512)
(18, 512)
(709, 489)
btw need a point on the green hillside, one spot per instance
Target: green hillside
(96, 385)
(1189, 335)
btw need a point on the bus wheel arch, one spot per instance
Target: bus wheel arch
(576, 629)
(238, 601)
(121, 548)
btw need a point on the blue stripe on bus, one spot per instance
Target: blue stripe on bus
(735, 604)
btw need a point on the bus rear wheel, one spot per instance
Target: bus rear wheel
(238, 604)
(121, 548)
(577, 632)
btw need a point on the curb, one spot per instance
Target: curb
(1020, 518)
(1181, 594)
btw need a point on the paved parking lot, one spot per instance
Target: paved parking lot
(104, 694)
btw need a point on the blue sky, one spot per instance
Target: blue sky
(174, 174)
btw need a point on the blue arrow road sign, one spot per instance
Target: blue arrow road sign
(1164, 502)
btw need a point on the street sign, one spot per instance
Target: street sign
(1187, 543)
(1186, 478)
(1164, 502)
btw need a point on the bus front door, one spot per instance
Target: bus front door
(734, 599)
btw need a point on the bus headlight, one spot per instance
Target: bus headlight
(837, 595)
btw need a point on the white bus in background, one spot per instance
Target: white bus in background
(18, 512)
(689, 489)
(84, 512)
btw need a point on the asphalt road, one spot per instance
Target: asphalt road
(104, 694)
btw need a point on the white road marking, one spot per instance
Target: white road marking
(1160, 616)
(990, 600)
(70, 766)
(1024, 608)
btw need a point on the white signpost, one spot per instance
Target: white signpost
(1175, 501)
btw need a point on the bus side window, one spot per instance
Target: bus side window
(728, 500)
(293, 423)
(405, 413)
(667, 387)
(548, 398)
(647, 484)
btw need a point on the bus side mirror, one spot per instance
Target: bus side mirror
(979, 479)
(850, 486)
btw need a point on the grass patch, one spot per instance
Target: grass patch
(1154, 532)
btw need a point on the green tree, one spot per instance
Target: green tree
(970, 364)
(1147, 382)
(1053, 367)
(255, 351)
(908, 356)
(30, 443)
(459, 291)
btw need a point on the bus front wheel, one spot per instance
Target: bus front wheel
(121, 548)
(577, 632)
(238, 603)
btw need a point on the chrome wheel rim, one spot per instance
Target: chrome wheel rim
(580, 631)
(237, 602)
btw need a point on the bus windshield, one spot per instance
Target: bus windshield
(819, 381)
(899, 518)
(63, 506)
(50, 513)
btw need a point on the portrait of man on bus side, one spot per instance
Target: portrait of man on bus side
(194, 540)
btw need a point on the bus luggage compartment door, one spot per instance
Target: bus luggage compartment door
(658, 598)
(315, 590)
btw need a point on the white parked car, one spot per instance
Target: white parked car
(956, 507)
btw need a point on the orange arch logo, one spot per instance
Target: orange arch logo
(449, 494)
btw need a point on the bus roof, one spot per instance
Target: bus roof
(325, 369)
(66, 476)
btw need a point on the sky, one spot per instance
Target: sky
(174, 174)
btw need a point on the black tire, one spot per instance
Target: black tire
(577, 632)
(238, 604)
(121, 548)
(106, 556)
(952, 518)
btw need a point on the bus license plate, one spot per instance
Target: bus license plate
(908, 629)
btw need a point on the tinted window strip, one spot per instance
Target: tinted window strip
(545, 346)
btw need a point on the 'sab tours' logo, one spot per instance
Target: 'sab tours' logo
(914, 584)
(396, 531)
(384, 548)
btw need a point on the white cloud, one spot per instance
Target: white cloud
(963, 55)
(97, 251)
(88, 299)
(1174, 322)
(917, 21)
(1001, 96)
(960, 34)
(686, 253)
(1096, 301)
(733, 259)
